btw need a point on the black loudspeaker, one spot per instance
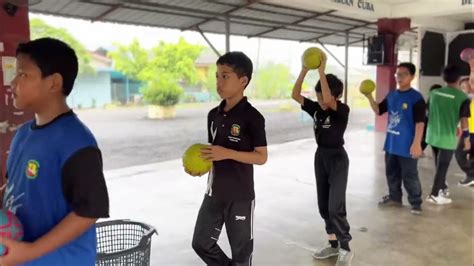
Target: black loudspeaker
(461, 42)
(375, 50)
(433, 50)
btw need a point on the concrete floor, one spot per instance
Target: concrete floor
(287, 224)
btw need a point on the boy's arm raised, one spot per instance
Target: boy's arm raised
(373, 104)
(296, 93)
(328, 99)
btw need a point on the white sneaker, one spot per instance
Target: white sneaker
(439, 200)
(467, 182)
(326, 252)
(345, 258)
(444, 193)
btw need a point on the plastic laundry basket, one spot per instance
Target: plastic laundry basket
(123, 242)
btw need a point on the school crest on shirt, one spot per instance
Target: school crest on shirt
(235, 133)
(32, 169)
(405, 106)
(235, 130)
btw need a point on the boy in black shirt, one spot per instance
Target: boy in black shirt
(331, 163)
(236, 131)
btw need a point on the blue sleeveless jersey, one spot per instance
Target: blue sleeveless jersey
(401, 124)
(34, 188)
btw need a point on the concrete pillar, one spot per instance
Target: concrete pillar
(391, 29)
(14, 29)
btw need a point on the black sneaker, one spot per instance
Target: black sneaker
(416, 210)
(466, 182)
(386, 201)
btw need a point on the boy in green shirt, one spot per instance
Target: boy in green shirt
(447, 106)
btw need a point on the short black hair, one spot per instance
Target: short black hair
(239, 62)
(451, 74)
(435, 86)
(335, 85)
(53, 56)
(410, 66)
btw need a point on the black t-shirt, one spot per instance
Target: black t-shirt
(329, 125)
(465, 111)
(242, 129)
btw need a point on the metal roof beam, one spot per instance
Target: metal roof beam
(317, 14)
(208, 42)
(337, 32)
(329, 14)
(353, 42)
(144, 9)
(217, 16)
(307, 11)
(104, 14)
(235, 8)
(294, 23)
(331, 54)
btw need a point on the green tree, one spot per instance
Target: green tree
(40, 29)
(155, 93)
(131, 59)
(273, 81)
(162, 69)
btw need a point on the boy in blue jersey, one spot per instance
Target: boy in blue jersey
(406, 117)
(55, 182)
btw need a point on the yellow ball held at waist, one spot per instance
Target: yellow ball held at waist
(193, 162)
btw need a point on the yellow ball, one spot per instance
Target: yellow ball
(311, 58)
(367, 87)
(192, 161)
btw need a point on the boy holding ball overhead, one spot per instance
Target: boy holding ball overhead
(331, 163)
(406, 110)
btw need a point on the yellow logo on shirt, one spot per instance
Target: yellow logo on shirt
(235, 130)
(32, 169)
(405, 106)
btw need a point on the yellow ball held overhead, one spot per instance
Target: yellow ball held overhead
(193, 162)
(311, 58)
(367, 87)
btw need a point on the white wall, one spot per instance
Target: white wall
(425, 82)
(91, 90)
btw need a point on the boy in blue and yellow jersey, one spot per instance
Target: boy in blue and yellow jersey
(55, 183)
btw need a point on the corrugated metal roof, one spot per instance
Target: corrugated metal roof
(248, 18)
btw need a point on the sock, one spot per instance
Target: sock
(333, 243)
(345, 246)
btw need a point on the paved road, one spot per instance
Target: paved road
(128, 138)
